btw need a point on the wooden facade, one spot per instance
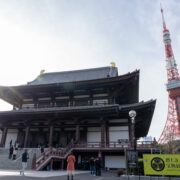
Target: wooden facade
(55, 111)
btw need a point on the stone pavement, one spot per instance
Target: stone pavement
(79, 175)
(53, 175)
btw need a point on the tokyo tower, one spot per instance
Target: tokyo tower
(171, 129)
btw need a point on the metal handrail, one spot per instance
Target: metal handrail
(63, 152)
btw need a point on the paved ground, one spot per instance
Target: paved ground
(80, 175)
(55, 175)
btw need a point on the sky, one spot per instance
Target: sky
(60, 35)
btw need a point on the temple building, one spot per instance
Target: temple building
(84, 111)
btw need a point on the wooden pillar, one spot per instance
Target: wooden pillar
(71, 99)
(51, 164)
(62, 164)
(51, 135)
(77, 132)
(91, 98)
(101, 157)
(102, 134)
(26, 136)
(3, 138)
(53, 100)
(107, 136)
(34, 161)
(35, 102)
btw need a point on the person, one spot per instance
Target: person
(17, 145)
(92, 163)
(25, 157)
(14, 153)
(11, 149)
(98, 167)
(10, 143)
(70, 166)
(42, 149)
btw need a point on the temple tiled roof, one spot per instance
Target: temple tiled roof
(144, 111)
(77, 75)
(76, 108)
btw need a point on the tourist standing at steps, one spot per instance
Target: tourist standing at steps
(70, 166)
(11, 149)
(42, 149)
(98, 166)
(14, 153)
(10, 143)
(92, 166)
(25, 157)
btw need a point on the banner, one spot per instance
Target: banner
(161, 164)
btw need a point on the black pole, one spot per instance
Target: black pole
(133, 134)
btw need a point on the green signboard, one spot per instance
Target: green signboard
(161, 164)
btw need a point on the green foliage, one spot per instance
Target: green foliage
(120, 172)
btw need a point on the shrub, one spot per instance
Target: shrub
(120, 172)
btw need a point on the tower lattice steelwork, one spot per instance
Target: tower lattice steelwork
(171, 129)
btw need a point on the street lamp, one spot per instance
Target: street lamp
(132, 115)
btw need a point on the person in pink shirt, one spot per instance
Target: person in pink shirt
(70, 166)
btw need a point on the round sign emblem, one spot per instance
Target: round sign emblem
(157, 164)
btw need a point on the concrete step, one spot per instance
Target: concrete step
(6, 163)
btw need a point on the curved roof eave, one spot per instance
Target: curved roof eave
(14, 94)
(143, 119)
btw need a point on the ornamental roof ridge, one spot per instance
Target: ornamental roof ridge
(75, 75)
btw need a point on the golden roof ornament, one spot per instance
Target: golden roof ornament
(113, 64)
(42, 71)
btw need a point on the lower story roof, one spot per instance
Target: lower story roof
(143, 118)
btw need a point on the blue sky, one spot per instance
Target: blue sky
(59, 35)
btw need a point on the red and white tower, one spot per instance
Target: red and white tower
(171, 129)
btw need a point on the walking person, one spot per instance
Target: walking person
(92, 164)
(10, 143)
(70, 166)
(25, 157)
(14, 153)
(98, 167)
(11, 149)
(42, 149)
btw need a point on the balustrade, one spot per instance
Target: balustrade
(86, 102)
(62, 153)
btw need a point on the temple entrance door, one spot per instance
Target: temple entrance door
(56, 137)
(70, 136)
(20, 138)
(36, 139)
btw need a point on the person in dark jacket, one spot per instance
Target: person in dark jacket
(11, 149)
(92, 165)
(25, 157)
(42, 149)
(98, 166)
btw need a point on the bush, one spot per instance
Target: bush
(120, 172)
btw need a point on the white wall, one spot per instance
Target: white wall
(118, 132)
(115, 162)
(11, 134)
(0, 135)
(118, 120)
(94, 134)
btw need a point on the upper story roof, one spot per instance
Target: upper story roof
(53, 85)
(77, 75)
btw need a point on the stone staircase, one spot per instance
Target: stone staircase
(6, 163)
(52, 153)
